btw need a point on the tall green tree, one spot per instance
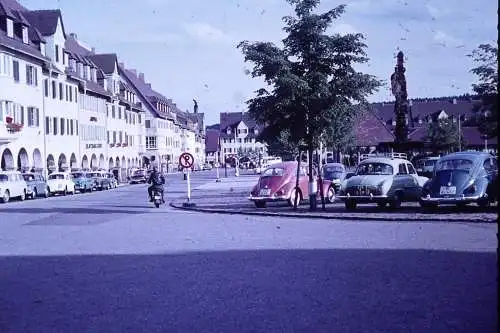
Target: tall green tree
(444, 137)
(310, 79)
(486, 57)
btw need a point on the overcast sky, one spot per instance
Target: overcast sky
(187, 49)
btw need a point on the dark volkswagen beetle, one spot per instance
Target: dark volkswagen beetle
(462, 178)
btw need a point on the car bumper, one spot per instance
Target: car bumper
(263, 198)
(452, 200)
(363, 198)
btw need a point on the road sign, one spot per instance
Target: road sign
(186, 160)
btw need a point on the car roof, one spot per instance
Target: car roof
(467, 154)
(386, 160)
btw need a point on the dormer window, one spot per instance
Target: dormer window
(25, 35)
(94, 74)
(10, 28)
(72, 64)
(255, 131)
(85, 72)
(79, 68)
(42, 49)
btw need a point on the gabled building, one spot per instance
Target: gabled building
(238, 135)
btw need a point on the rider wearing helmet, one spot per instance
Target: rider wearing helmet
(156, 180)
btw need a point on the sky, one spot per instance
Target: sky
(187, 49)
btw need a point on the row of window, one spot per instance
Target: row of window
(61, 126)
(60, 90)
(92, 132)
(119, 137)
(9, 66)
(151, 142)
(245, 140)
(17, 29)
(235, 150)
(29, 116)
(162, 124)
(119, 112)
(92, 103)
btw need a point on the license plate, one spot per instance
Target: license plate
(265, 192)
(448, 190)
(157, 197)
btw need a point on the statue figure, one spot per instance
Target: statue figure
(195, 106)
(398, 85)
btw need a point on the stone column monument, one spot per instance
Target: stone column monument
(398, 84)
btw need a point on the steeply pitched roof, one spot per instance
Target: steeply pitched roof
(106, 62)
(45, 20)
(232, 119)
(471, 135)
(370, 131)
(6, 9)
(71, 45)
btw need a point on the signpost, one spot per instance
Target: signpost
(186, 161)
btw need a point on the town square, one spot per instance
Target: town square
(256, 166)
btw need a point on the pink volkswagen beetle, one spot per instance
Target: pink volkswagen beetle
(277, 183)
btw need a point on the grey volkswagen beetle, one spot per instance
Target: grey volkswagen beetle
(462, 178)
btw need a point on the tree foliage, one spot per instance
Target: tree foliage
(311, 81)
(443, 136)
(486, 56)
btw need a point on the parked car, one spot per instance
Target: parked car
(83, 182)
(425, 166)
(36, 185)
(336, 173)
(101, 180)
(60, 183)
(462, 178)
(112, 179)
(382, 180)
(139, 176)
(12, 185)
(277, 183)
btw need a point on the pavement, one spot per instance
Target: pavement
(111, 262)
(230, 196)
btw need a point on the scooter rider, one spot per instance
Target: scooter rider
(156, 180)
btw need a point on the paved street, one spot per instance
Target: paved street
(110, 262)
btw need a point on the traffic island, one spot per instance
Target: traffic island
(410, 212)
(188, 205)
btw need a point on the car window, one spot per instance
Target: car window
(376, 168)
(454, 164)
(402, 169)
(411, 169)
(273, 172)
(57, 176)
(29, 177)
(4, 178)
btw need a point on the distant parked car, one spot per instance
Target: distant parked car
(36, 185)
(60, 183)
(277, 183)
(336, 173)
(425, 166)
(138, 177)
(462, 178)
(101, 180)
(382, 180)
(112, 179)
(12, 185)
(83, 182)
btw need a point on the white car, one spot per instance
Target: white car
(60, 182)
(12, 185)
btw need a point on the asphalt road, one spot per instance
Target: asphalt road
(110, 262)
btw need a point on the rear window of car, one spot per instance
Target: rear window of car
(455, 164)
(56, 176)
(4, 178)
(374, 169)
(78, 175)
(273, 172)
(95, 174)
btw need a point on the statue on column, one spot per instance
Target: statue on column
(195, 106)
(398, 85)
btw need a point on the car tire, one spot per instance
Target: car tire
(65, 192)
(22, 197)
(395, 202)
(350, 205)
(34, 194)
(47, 192)
(260, 203)
(330, 195)
(6, 197)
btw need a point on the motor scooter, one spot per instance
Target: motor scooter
(158, 197)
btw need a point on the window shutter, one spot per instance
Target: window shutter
(37, 117)
(22, 114)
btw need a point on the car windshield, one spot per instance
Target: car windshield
(78, 175)
(274, 172)
(95, 174)
(4, 178)
(29, 177)
(58, 176)
(332, 172)
(374, 169)
(459, 164)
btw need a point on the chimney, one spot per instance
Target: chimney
(133, 71)
(121, 64)
(141, 77)
(149, 86)
(74, 36)
(92, 50)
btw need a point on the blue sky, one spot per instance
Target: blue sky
(187, 49)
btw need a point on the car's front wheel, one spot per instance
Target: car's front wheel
(295, 194)
(330, 195)
(6, 197)
(395, 202)
(22, 197)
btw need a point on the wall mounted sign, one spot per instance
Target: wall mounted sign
(93, 145)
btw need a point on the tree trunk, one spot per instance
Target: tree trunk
(299, 159)
(312, 193)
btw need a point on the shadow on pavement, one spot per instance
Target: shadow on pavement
(69, 210)
(252, 291)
